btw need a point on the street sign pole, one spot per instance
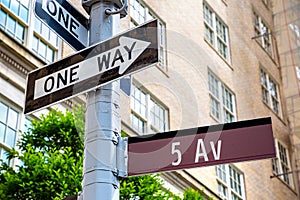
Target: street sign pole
(103, 122)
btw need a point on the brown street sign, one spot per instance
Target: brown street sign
(202, 146)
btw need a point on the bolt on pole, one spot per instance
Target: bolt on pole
(103, 121)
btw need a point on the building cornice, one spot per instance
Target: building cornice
(20, 68)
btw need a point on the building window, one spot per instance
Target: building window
(263, 34)
(12, 26)
(45, 41)
(216, 32)
(140, 13)
(230, 182)
(14, 20)
(281, 164)
(18, 8)
(8, 129)
(270, 92)
(222, 100)
(147, 115)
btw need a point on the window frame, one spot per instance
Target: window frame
(225, 183)
(219, 98)
(277, 164)
(17, 21)
(4, 146)
(148, 125)
(212, 27)
(149, 14)
(265, 88)
(28, 33)
(41, 39)
(263, 37)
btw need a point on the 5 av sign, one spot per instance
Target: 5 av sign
(201, 146)
(65, 20)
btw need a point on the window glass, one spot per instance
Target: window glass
(10, 137)
(45, 31)
(140, 13)
(222, 106)
(137, 124)
(2, 132)
(216, 32)
(270, 92)
(11, 24)
(42, 49)
(281, 164)
(50, 54)
(12, 120)
(37, 25)
(5, 3)
(2, 18)
(8, 125)
(208, 15)
(157, 116)
(20, 31)
(3, 112)
(14, 6)
(3, 156)
(262, 31)
(35, 44)
(24, 13)
(230, 182)
(27, 125)
(53, 39)
(45, 41)
(147, 116)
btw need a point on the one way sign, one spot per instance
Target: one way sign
(93, 67)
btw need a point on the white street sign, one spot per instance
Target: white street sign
(122, 56)
(92, 67)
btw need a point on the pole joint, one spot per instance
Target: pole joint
(124, 6)
(121, 6)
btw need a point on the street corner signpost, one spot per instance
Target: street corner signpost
(64, 19)
(92, 67)
(202, 146)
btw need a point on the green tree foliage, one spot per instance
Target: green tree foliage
(147, 187)
(51, 152)
(52, 155)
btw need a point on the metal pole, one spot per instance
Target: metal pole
(103, 121)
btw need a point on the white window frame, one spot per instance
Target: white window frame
(30, 33)
(4, 146)
(211, 27)
(225, 182)
(263, 34)
(44, 29)
(149, 15)
(282, 159)
(18, 20)
(149, 126)
(219, 99)
(267, 96)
